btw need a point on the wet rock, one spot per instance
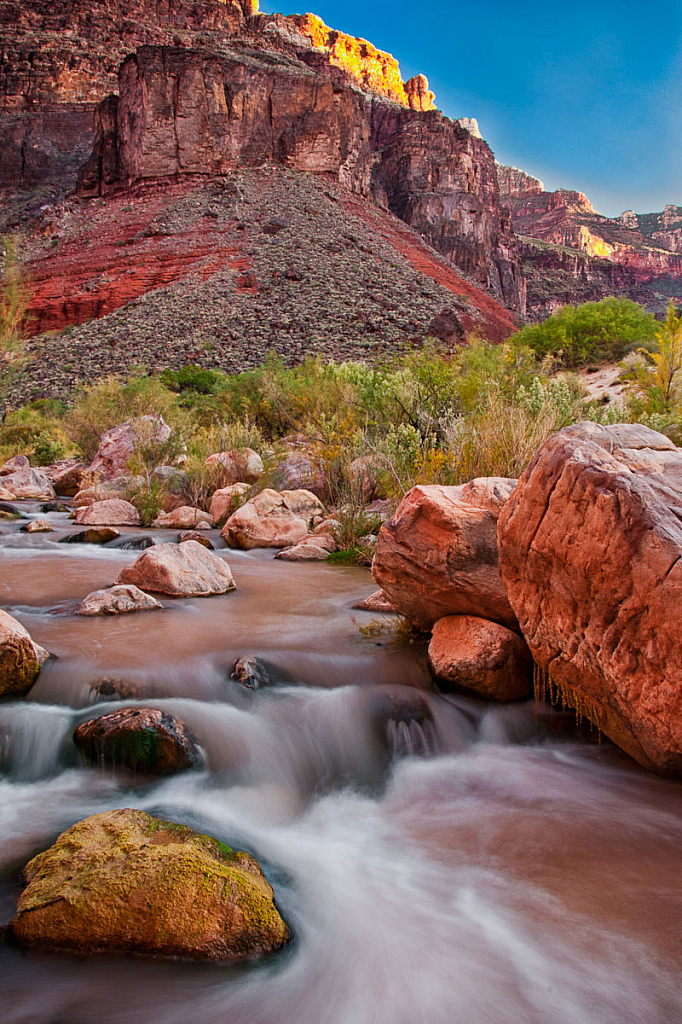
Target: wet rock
(115, 600)
(186, 517)
(183, 570)
(127, 543)
(226, 499)
(95, 535)
(54, 506)
(264, 521)
(591, 555)
(117, 446)
(143, 740)
(438, 555)
(402, 721)
(376, 602)
(20, 657)
(481, 656)
(300, 472)
(111, 512)
(104, 887)
(38, 526)
(314, 548)
(186, 535)
(256, 673)
(111, 688)
(239, 465)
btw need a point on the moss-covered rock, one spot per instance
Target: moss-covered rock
(20, 657)
(144, 740)
(123, 881)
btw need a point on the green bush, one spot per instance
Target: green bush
(195, 379)
(595, 332)
(48, 449)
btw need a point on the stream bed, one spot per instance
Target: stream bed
(440, 860)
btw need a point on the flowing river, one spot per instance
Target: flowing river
(440, 860)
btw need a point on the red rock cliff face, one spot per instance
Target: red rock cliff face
(183, 112)
(639, 256)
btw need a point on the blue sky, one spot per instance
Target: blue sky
(585, 95)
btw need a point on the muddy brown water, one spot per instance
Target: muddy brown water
(440, 860)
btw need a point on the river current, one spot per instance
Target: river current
(440, 860)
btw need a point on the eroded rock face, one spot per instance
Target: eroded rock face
(143, 740)
(103, 886)
(437, 556)
(117, 446)
(115, 600)
(481, 656)
(110, 512)
(182, 570)
(266, 521)
(591, 556)
(20, 657)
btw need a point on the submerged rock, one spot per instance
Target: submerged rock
(125, 882)
(591, 556)
(110, 512)
(438, 555)
(184, 570)
(143, 740)
(117, 599)
(256, 673)
(111, 688)
(481, 656)
(20, 656)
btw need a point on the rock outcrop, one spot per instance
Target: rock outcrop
(143, 740)
(481, 656)
(103, 887)
(591, 557)
(181, 570)
(20, 657)
(438, 555)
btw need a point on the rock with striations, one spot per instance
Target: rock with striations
(265, 521)
(117, 599)
(300, 472)
(481, 656)
(438, 555)
(143, 740)
(110, 512)
(240, 465)
(125, 882)
(226, 499)
(118, 445)
(185, 517)
(591, 556)
(20, 657)
(181, 570)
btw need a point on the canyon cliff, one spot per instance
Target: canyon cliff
(571, 253)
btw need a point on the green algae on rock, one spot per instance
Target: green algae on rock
(143, 740)
(123, 881)
(20, 657)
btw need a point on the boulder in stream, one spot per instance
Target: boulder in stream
(591, 556)
(482, 656)
(117, 599)
(38, 526)
(376, 602)
(143, 740)
(95, 535)
(438, 555)
(256, 673)
(110, 512)
(226, 500)
(125, 882)
(185, 517)
(20, 657)
(182, 570)
(267, 521)
(186, 535)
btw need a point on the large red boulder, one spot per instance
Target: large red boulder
(271, 520)
(437, 556)
(182, 570)
(591, 555)
(481, 656)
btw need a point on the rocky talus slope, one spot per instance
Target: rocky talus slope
(220, 272)
(571, 253)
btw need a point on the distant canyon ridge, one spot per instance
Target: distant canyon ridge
(156, 153)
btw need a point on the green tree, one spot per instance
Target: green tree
(657, 377)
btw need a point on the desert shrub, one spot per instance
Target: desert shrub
(48, 449)
(148, 498)
(111, 401)
(597, 332)
(655, 375)
(197, 380)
